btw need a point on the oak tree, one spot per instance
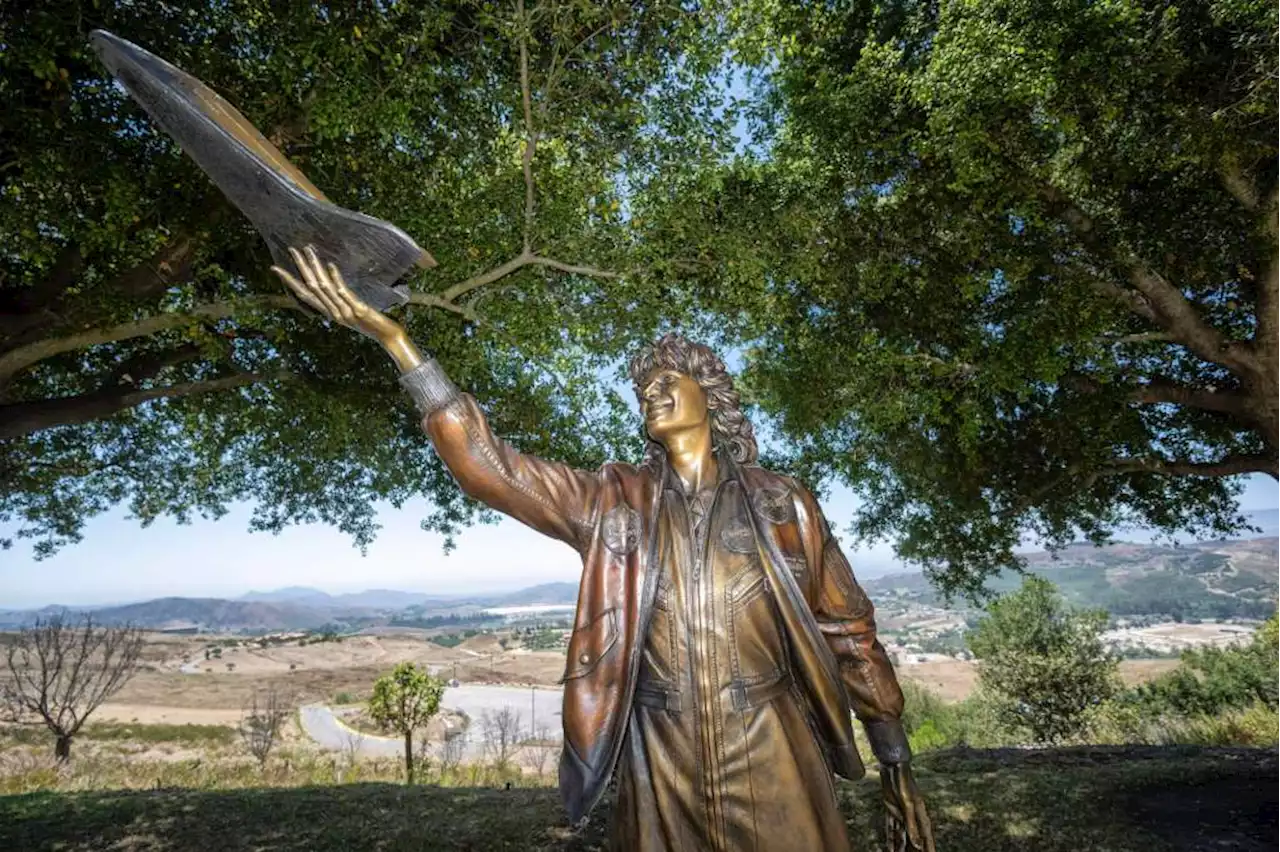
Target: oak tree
(149, 358)
(1006, 267)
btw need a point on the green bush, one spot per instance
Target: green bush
(1213, 680)
(192, 735)
(932, 723)
(1042, 663)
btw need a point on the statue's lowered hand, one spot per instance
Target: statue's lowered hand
(907, 825)
(322, 288)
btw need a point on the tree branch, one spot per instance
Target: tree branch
(574, 269)
(531, 134)
(1206, 399)
(1141, 337)
(28, 307)
(1268, 300)
(1162, 390)
(449, 297)
(25, 418)
(156, 274)
(1230, 466)
(1240, 187)
(1155, 298)
(16, 360)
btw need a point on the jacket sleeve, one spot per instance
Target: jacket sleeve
(551, 497)
(847, 620)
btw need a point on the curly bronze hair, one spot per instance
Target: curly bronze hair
(730, 429)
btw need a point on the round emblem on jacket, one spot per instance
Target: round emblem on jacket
(774, 505)
(621, 529)
(736, 536)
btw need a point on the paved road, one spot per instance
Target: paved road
(540, 705)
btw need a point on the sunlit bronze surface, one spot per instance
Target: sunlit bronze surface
(721, 641)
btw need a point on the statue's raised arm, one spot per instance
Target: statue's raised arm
(553, 498)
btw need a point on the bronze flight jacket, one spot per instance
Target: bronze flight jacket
(609, 516)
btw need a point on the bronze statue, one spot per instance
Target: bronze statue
(720, 640)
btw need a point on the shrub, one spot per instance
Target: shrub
(1212, 680)
(1043, 664)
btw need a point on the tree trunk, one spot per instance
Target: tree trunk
(62, 749)
(408, 756)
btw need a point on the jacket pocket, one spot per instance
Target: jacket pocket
(749, 583)
(590, 643)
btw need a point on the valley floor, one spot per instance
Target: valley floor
(1176, 799)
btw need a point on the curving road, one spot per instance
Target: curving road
(542, 705)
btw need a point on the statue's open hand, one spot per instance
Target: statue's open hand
(323, 289)
(907, 826)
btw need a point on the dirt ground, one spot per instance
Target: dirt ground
(1233, 813)
(214, 691)
(954, 680)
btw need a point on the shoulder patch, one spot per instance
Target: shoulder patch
(621, 529)
(774, 504)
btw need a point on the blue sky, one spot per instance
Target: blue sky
(119, 561)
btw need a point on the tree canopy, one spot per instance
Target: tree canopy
(1007, 268)
(150, 358)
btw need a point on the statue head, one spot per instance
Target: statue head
(684, 385)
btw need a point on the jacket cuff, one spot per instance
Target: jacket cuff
(888, 741)
(429, 386)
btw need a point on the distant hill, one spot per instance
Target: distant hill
(300, 608)
(547, 593)
(186, 613)
(1215, 579)
(291, 594)
(373, 598)
(1222, 579)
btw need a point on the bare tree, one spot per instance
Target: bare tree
(500, 734)
(350, 740)
(261, 721)
(61, 670)
(449, 752)
(538, 749)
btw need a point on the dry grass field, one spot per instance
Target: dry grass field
(162, 692)
(162, 768)
(954, 680)
(317, 672)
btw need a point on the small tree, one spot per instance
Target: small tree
(60, 671)
(261, 721)
(403, 700)
(500, 734)
(539, 749)
(1042, 663)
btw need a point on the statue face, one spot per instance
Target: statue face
(672, 402)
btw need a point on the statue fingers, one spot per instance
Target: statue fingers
(924, 826)
(322, 277)
(353, 303)
(317, 281)
(301, 290)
